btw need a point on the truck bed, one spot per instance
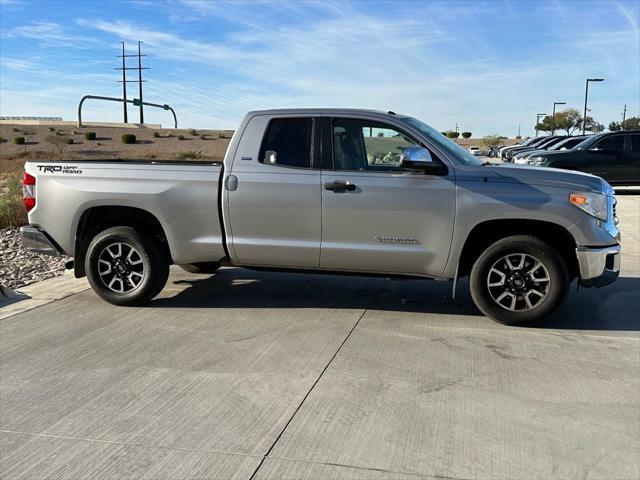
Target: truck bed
(182, 196)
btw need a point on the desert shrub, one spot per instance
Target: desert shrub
(3, 140)
(518, 137)
(156, 135)
(192, 155)
(466, 134)
(58, 144)
(14, 129)
(180, 137)
(193, 132)
(12, 212)
(128, 138)
(221, 135)
(444, 133)
(18, 140)
(51, 129)
(90, 136)
(453, 134)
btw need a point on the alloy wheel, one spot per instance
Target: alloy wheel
(518, 282)
(121, 267)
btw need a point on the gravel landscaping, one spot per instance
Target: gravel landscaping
(19, 267)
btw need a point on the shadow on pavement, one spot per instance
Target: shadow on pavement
(242, 288)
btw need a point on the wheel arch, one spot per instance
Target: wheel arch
(486, 233)
(98, 218)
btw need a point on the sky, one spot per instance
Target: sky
(485, 66)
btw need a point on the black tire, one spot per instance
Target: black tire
(202, 267)
(488, 270)
(150, 263)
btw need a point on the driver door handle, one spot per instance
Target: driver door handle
(340, 186)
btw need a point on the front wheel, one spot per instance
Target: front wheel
(519, 280)
(126, 267)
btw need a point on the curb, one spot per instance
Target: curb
(39, 293)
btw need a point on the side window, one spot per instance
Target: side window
(614, 143)
(287, 143)
(365, 145)
(635, 143)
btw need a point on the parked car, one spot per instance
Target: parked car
(614, 156)
(334, 190)
(540, 143)
(504, 150)
(543, 146)
(508, 152)
(493, 152)
(566, 144)
(475, 151)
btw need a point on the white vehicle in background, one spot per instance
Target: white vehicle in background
(475, 151)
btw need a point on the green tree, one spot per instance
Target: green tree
(615, 126)
(631, 123)
(568, 120)
(546, 125)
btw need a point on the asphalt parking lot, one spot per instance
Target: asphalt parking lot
(270, 375)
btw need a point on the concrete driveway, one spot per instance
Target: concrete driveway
(268, 375)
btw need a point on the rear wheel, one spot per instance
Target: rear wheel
(519, 280)
(126, 267)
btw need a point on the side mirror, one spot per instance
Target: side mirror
(418, 158)
(270, 157)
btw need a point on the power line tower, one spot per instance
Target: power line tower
(124, 80)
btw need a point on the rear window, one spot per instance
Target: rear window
(287, 143)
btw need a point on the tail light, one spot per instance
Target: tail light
(29, 191)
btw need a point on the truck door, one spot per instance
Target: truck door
(273, 189)
(632, 154)
(606, 158)
(375, 215)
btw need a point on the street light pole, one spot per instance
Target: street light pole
(586, 94)
(538, 115)
(553, 117)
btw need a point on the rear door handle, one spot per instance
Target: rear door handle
(340, 186)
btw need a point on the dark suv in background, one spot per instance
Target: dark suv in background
(614, 156)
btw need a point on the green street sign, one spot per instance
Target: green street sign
(137, 102)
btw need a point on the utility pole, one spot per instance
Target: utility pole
(139, 81)
(519, 130)
(124, 83)
(624, 115)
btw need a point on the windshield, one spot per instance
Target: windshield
(443, 142)
(567, 143)
(585, 144)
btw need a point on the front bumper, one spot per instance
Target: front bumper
(35, 240)
(598, 266)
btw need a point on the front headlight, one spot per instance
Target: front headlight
(595, 204)
(537, 161)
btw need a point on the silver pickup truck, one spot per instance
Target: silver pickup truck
(332, 190)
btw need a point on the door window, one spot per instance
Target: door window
(364, 145)
(614, 143)
(287, 143)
